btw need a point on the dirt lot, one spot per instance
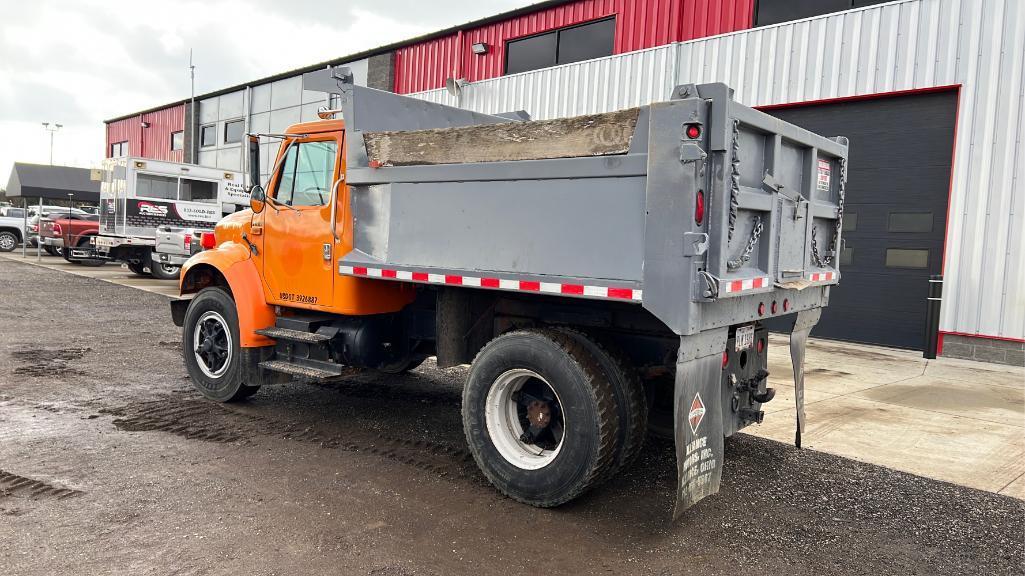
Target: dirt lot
(110, 463)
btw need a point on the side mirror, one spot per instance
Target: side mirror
(254, 160)
(257, 199)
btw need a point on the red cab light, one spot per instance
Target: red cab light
(699, 207)
(725, 358)
(693, 131)
(208, 240)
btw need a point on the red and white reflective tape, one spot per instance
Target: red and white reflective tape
(822, 277)
(734, 286)
(579, 290)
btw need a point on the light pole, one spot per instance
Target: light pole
(56, 127)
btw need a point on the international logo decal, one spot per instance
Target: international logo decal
(696, 414)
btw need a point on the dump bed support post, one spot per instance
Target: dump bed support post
(805, 321)
(697, 416)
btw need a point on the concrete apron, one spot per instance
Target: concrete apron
(958, 421)
(954, 420)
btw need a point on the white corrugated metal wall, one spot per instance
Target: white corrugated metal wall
(902, 45)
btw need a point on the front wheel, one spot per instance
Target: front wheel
(210, 345)
(162, 271)
(540, 417)
(8, 241)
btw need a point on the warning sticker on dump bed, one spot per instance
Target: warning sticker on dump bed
(824, 170)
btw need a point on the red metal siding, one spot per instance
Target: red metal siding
(639, 24)
(153, 142)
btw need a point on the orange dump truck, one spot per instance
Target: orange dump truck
(603, 275)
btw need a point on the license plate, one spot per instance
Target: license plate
(745, 337)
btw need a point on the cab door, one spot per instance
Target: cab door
(298, 243)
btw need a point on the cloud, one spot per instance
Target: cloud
(79, 62)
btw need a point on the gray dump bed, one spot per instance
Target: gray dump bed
(608, 202)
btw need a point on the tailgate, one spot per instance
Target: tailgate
(779, 222)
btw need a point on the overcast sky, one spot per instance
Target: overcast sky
(78, 62)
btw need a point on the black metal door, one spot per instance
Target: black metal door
(895, 214)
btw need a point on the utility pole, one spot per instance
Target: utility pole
(52, 131)
(192, 114)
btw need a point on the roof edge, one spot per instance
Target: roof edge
(357, 56)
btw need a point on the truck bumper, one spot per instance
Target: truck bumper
(56, 242)
(172, 259)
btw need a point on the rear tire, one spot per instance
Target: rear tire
(165, 271)
(53, 250)
(631, 403)
(573, 450)
(138, 268)
(92, 262)
(210, 346)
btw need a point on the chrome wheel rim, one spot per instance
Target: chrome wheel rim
(7, 242)
(525, 419)
(169, 269)
(211, 344)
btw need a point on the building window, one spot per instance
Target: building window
(910, 222)
(177, 140)
(776, 11)
(850, 222)
(208, 135)
(906, 258)
(573, 44)
(198, 191)
(118, 149)
(233, 131)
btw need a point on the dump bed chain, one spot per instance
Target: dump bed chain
(827, 260)
(756, 230)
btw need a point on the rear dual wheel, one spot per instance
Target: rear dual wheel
(542, 416)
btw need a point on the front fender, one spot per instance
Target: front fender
(230, 266)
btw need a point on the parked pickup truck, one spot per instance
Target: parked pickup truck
(69, 232)
(572, 263)
(11, 229)
(175, 245)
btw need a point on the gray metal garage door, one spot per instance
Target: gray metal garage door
(895, 215)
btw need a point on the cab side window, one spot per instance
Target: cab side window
(306, 174)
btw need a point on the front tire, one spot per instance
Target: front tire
(8, 241)
(540, 417)
(210, 345)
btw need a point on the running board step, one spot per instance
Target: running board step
(299, 370)
(293, 335)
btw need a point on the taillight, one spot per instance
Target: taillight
(773, 307)
(699, 207)
(725, 358)
(761, 345)
(57, 230)
(761, 308)
(693, 131)
(187, 242)
(207, 240)
(33, 228)
(786, 304)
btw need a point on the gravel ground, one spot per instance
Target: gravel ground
(110, 463)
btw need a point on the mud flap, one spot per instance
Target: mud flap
(698, 419)
(806, 320)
